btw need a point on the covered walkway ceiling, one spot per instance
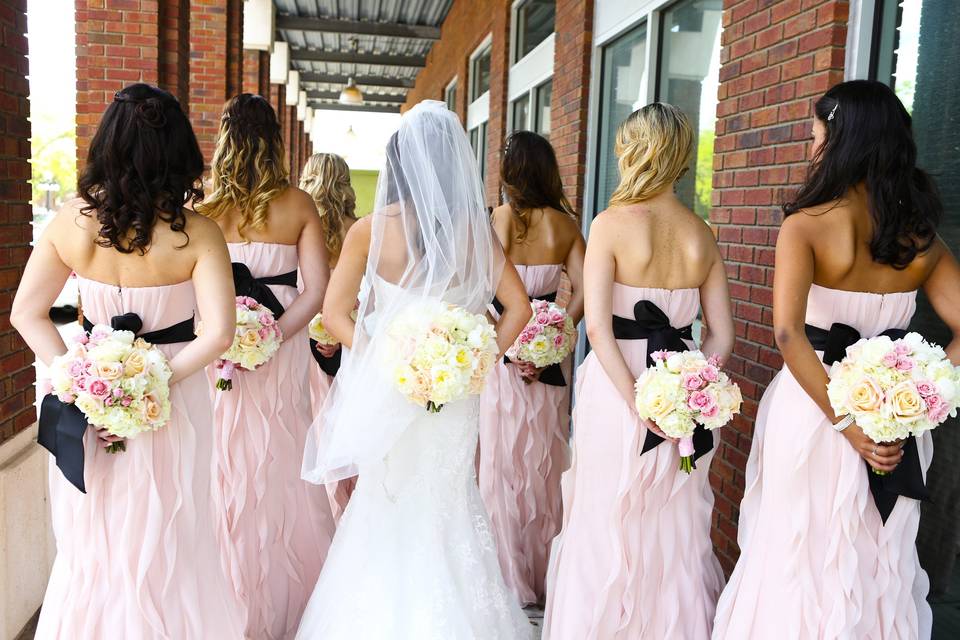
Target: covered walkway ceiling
(381, 44)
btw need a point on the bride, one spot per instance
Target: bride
(413, 557)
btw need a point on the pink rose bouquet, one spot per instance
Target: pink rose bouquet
(547, 339)
(682, 390)
(257, 338)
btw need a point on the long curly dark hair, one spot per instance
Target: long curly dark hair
(143, 166)
(531, 178)
(869, 140)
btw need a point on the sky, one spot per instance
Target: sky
(53, 79)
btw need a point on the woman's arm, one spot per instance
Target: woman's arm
(574, 268)
(943, 290)
(42, 281)
(341, 297)
(717, 337)
(793, 276)
(516, 306)
(314, 263)
(216, 300)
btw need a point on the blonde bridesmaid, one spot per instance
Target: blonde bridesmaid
(524, 414)
(274, 528)
(137, 555)
(822, 555)
(326, 177)
(634, 560)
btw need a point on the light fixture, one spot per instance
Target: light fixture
(351, 94)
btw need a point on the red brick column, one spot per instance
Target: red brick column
(16, 361)
(571, 93)
(174, 72)
(775, 61)
(499, 77)
(256, 72)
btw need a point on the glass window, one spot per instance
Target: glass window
(623, 69)
(915, 40)
(480, 74)
(520, 110)
(543, 95)
(478, 142)
(450, 96)
(535, 23)
(689, 78)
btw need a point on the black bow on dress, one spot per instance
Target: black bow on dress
(553, 374)
(907, 479)
(256, 288)
(61, 425)
(650, 323)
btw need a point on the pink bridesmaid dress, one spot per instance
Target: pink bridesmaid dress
(524, 431)
(338, 492)
(816, 559)
(137, 556)
(634, 560)
(274, 528)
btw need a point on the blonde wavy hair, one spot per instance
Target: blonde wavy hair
(653, 149)
(326, 177)
(249, 166)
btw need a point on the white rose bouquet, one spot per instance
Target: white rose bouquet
(440, 353)
(682, 390)
(895, 388)
(256, 339)
(118, 381)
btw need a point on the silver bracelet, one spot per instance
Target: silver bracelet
(843, 424)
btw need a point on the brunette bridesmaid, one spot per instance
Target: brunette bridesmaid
(274, 528)
(524, 415)
(634, 560)
(137, 555)
(326, 177)
(822, 557)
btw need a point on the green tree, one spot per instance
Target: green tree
(53, 160)
(704, 175)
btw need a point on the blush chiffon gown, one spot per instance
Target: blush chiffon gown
(274, 528)
(816, 560)
(137, 556)
(634, 560)
(524, 429)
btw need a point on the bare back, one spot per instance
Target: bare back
(287, 216)
(549, 238)
(660, 244)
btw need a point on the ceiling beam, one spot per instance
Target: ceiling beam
(326, 106)
(371, 97)
(386, 59)
(326, 25)
(371, 81)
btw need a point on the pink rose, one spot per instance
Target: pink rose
(265, 332)
(890, 360)
(660, 355)
(691, 381)
(267, 319)
(81, 338)
(44, 387)
(926, 388)
(556, 317)
(118, 393)
(939, 415)
(714, 360)
(558, 340)
(525, 337)
(905, 364)
(543, 317)
(710, 373)
(710, 412)
(126, 402)
(901, 349)
(98, 388)
(701, 401)
(76, 368)
(933, 402)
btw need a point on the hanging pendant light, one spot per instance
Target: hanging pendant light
(351, 94)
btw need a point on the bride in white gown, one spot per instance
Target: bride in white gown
(413, 557)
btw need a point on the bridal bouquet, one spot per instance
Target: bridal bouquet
(547, 339)
(119, 382)
(256, 339)
(895, 388)
(682, 390)
(440, 353)
(319, 334)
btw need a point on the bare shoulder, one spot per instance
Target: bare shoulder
(202, 228)
(297, 201)
(797, 228)
(359, 231)
(502, 214)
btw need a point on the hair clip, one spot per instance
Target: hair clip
(833, 111)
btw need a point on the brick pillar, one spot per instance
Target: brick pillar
(256, 73)
(499, 75)
(775, 61)
(215, 64)
(174, 71)
(16, 232)
(571, 93)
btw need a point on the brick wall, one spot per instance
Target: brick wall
(16, 361)
(777, 57)
(174, 71)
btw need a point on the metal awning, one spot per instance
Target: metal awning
(381, 44)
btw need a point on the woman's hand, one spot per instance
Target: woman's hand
(882, 457)
(652, 426)
(529, 372)
(107, 440)
(328, 350)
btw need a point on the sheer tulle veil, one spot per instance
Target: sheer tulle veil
(430, 240)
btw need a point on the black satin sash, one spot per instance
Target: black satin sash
(256, 288)
(329, 366)
(907, 479)
(62, 425)
(552, 375)
(650, 323)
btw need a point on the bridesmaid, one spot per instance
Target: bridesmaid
(634, 560)
(524, 418)
(137, 556)
(817, 559)
(275, 529)
(326, 177)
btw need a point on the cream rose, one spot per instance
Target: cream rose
(249, 339)
(109, 370)
(906, 402)
(865, 395)
(151, 409)
(135, 363)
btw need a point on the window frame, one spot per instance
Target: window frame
(451, 86)
(515, 9)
